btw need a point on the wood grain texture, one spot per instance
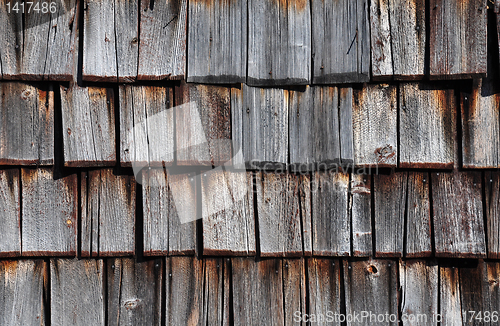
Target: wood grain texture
(427, 126)
(258, 284)
(361, 215)
(472, 297)
(492, 201)
(162, 48)
(279, 43)
(146, 126)
(228, 213)
(217, 44)
(22, 284)
(184, 291)
(331, 223)
(374, 116)
(49, 213)
(167, 201)
(11, 41)
(108, 214)
(480, 120)
(134, 291)
(202, 124)
(126, 18)
(491, 282)
(314, 132)
(340, 41)
(371, 285)
(216, 297)
(419, 281)
(278, 210)
(457, 39)
(449, 296)
(458, 215)
(325, 288)
(26, 124)
(10, 212)
(294, 290)
(77, 292)
(88, 119)
(346, 125)
(398, 37)
(260, 126)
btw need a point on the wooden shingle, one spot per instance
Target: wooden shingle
(217, 299)
(492, 206)
(10, 212)
(325, 286)
(449, 296)
(361, 215)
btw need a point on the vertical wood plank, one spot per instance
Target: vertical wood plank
(381, 40)
(481, 120)
(49, 213)
(472, 297)
(162, 49)
(216, 296)
(449, 298)
(228, 213)
(11, 41)
(491, 286)
(134, 291)
(22, 285)
(419, 281)
(258, 284)
(346, 125)
(126, 19)
(458, 215)
(492, 198)
(325, 287)
(418, 241)
(166, 199)
(427, 126)
(279, 43)
(36, 28)
(77, 292)
(340, 41)
(26, 124)
(371, 285)
(217, 45)
(88, 119)
(294, 290)
(375, 126)
(146, 126)
(184, 286)
(280, 229)
(109, 212)
(457, 39)
(10, 212)
(361, 215)
(314, 128)
(331, 222)
(305, 203)
(203, 125)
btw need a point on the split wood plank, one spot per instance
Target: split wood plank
(49, 213)
(398, 36)
(361, 215)
(481, 120)
(146, 126)
(170, 209)
(162, 48)
(306, 213)
(134, 291)
(325, 288)
(202, 125)
(417, 298)
(217, 287)
(458, 215)
(77, 292)
(340, 41)
(375, 126)
(88, 120)
(217, 45)
(314, 133)
(279, 43)
(331, 223)
(294, 290)
(491, 286)
(10, 212)
(472, 297)
(346, 125)
(184, 291)
(22, 284)
(26, 124)
(260, 126)
(36, 27)
(228, 213)
(449, 298)
(279, 217)
(11, 41)
(492, 198)
(418, 241)
(110, 40)
(108, 205)
(371, 285)
(457, 39)
(427, 126)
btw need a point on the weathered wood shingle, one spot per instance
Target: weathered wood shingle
(10, 212)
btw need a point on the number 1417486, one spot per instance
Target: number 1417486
(27, 7)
